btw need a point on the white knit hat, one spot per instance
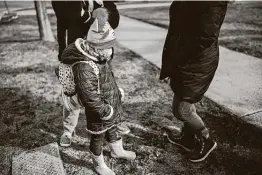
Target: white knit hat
(101, 35)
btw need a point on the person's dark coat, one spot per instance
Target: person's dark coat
(97, 105)
(71, 20)
(191, 52)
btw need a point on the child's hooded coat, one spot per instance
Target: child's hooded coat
(96, 105)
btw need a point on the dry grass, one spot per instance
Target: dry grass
(30, 114)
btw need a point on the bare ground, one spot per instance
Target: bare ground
(30, 114)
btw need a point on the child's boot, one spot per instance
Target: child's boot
(99, 165)
(118, 151)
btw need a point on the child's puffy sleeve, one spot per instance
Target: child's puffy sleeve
(87, 90)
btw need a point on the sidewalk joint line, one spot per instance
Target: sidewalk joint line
(252, 113)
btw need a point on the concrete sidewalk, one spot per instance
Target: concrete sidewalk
(237, 85)
(31, 11)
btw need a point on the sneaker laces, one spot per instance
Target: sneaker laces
(202, 147)
(200, 142)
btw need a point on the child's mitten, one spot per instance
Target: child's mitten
(111, 112)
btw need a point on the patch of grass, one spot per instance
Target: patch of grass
(243, 21)
(250, 45)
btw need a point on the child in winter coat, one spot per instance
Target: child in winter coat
(75, 17)
(96, 89)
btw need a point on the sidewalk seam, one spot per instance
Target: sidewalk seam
(252, 113)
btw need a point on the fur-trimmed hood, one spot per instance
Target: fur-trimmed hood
(75, 52)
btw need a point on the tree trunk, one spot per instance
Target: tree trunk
(6, 6)
(44, 26)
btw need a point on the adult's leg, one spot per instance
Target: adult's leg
(183, 112)
(61, 37)
(186, 112)
(194, 127)
(75, 31)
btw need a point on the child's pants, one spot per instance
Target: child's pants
(96, 142)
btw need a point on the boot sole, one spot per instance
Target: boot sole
(182, 146)
(100, 173)
(203, 158)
